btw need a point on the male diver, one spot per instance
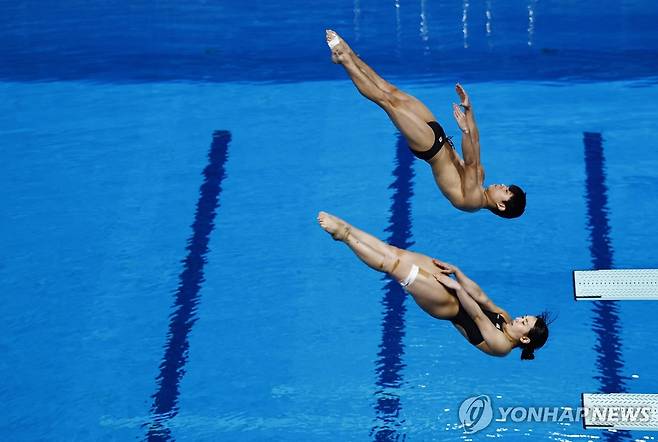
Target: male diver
(460, 180)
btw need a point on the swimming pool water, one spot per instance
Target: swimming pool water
(283, 334)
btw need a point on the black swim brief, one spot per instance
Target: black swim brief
(440, 138)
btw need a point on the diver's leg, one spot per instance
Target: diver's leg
(374, 253)
(411, 102)
(418, 134)
(430, 295)
(370, 73)
(415, 129)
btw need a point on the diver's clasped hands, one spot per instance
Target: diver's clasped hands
(447, 281)
(443, 277)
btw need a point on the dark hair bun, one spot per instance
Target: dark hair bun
(527, 354)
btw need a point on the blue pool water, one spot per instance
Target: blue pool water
(161, 167)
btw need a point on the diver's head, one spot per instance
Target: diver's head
(530, 332)
(507, 201)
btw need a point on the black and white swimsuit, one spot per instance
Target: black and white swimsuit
(470, 327)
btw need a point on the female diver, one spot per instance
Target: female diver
(461, 301)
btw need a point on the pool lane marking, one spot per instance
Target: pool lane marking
(165, 399)
(389, 364)
(606, 314)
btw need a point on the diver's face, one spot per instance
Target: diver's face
(522, 325)
(499, 193)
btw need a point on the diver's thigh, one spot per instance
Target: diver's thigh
(416, 106)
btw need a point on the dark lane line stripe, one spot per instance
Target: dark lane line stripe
(389, 364)
(165, 399)
(606, 313)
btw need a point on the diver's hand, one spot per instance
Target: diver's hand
(460, 118)
(447, 281)
(463, 96)
(445, 267)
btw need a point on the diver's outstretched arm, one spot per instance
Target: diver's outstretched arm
(470, 133)
(471, 151)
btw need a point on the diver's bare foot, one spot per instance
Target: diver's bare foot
(340, 51)
(337, 228)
